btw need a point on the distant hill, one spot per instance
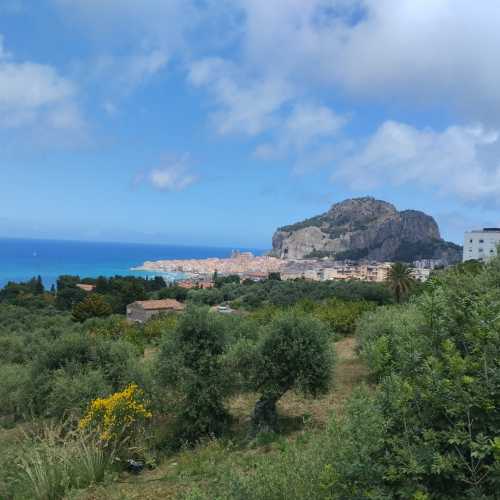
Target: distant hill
(365, 228)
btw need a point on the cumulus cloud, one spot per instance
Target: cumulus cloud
(171, 175)
(460, 160)
(244, 104)
(35, 94)
(306, 125)
(426, 52)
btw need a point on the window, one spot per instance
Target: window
(481, 241)
(481, 250)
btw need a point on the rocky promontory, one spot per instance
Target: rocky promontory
(365, 228)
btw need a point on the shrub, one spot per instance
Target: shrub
(439, 360)
(390, 339)
(70, 391)
(342, 462)
(118, 416)
(94, 306)
(14, 397)
(191, 364)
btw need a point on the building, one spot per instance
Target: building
(85, 287)
(481, 244)
(142, 310)
(375, 272)
(190, 284)
(421, 274)
(255, 276)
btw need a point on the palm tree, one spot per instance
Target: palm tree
(400, 280)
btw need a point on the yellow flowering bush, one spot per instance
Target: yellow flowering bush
(117, 416)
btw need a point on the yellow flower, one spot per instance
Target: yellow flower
(118, 414)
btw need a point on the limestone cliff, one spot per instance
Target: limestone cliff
(365, 228)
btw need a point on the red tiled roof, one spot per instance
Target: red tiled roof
(160, 305)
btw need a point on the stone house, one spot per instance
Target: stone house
(142, 310)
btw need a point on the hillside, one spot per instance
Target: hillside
(365, 228)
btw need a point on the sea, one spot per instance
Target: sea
(22, 259)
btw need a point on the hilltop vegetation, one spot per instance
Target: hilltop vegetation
(365, 228)
(276, 401)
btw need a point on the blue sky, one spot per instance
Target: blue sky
(216, 121)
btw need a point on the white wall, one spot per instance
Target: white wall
(481, 245)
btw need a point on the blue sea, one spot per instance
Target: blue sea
(21, 259)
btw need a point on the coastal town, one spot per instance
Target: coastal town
(199, 272)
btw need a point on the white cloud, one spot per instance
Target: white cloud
(306, 125)
(124, 73)
(426, 51)
(459, 161)
(34, 94)
(245, 104)
(171, 175)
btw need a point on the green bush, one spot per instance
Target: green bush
(14, 396)
(93, 306)
(345, 461)
(70, 392)
(191, 364)
(439, 365)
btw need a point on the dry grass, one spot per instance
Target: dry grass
(180, 473)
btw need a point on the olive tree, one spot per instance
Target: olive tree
(294, 353)
(191, 364)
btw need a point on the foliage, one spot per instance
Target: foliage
(119, 291)
(294, 353)
(30, 294)
(206, 296)
(340, 463)
(118, 416)
(409, 251)
(340, 316)
(287, 293)
(220, 281)
(51, 366)
(174, 292)
(400, 280)
(439, 363)
(94, 306)
(191, 363)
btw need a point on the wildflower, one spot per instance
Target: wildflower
(117, 415)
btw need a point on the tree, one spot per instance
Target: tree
(94, 306)
(400, 280)
(294, 353)
(438, 363)
(191, 363)
(38, 288)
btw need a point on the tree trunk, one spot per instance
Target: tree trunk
(265, 415)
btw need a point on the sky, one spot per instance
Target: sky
(213, 122)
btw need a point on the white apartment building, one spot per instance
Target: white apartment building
(481, 244)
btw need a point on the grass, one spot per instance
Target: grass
(299, 419)
(46, 462)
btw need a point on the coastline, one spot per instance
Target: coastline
(237, 263)
(24, 259)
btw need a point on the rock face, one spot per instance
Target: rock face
(365, 228)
